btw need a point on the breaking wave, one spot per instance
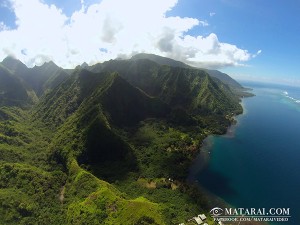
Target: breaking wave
(286, 94)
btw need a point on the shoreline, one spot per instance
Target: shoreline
(202, 159)
(205, 149)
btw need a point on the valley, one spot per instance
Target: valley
(109, 143)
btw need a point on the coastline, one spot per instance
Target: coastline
(201, 161)
(203, 156)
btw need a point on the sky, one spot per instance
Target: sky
(249, 40)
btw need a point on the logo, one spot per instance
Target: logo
(250, 214)
(216, 211)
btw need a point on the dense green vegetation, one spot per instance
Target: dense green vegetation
(232, 84)
(188, 88)
(109, 144)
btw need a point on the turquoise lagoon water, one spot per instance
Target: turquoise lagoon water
(257, 164)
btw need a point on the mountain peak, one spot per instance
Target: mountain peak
(9, 58)
(13, 64)
(84, 65)
(160, 60)
(49, 64)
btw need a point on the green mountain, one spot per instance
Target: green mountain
(226, 79)
(160, 60)
(40, 79)
(223, 77)
(188, 88)
(15, 66)
(13, 91)
(46, 77)
(106, 144)
(123, 103)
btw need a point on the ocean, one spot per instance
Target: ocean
(257, 163)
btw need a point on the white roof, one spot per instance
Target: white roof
(202, 216)
(198, 220)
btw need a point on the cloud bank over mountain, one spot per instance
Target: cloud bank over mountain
(111, 29)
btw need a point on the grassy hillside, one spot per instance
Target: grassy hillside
(108, 147)
(64, 100)
(123, 103)
(35, 189)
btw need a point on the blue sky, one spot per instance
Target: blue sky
(272, 26)
(252, 40)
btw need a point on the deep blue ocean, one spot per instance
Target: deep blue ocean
(257, 164)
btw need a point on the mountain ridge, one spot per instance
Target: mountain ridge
(174, 85)
(13, 92)
(40, 79)
(109, 143)
(225, 78)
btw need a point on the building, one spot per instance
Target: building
(202, 217)
(198, 220)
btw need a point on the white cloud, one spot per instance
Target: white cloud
(211, 14)
(109, 29)
(257, 53)
(3, 26)
(204, 23)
